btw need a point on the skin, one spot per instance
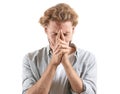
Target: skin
(59, 36)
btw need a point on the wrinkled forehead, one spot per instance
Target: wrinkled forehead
(65, 26)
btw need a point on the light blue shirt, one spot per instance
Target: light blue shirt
(83, 62)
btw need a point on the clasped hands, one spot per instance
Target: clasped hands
(61, 49)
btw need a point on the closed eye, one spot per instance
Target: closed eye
(54, 34)
(65, 34)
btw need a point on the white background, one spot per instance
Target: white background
(97, 31)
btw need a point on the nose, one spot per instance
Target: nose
(62, 35)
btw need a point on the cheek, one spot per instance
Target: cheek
(68, 39)
(52, 39)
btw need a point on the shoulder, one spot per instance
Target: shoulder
(85, 55)
(32, 55)
(84, 52)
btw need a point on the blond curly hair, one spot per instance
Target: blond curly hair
(61, 13)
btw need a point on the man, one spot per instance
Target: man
(61, 67)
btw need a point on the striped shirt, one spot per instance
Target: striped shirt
(83, 62)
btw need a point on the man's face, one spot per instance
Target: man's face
(53, 29)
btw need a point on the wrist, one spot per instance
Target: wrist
(65, 58)
(53, 64)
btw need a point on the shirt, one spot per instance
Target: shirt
(60, 77)
(83, 62)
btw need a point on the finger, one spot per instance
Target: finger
(62, 36)
(62, 42)
(58, 52)
(53, 47)
(61, 45)
(56, 47)
(62, 48)
(58, 36)
(63, 51)
(50, 42)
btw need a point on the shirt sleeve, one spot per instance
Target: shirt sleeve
(89, 80)
(27, 77)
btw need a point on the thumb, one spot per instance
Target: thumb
(62, 36)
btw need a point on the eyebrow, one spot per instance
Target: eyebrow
(66, 32)
(57, 32)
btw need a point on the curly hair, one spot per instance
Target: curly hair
(61, 13)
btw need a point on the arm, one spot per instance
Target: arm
(75, 81)
(42, 86)
(86, 84)
(90, 77)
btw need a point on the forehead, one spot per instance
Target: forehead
(65, 26)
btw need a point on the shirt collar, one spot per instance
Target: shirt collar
(76, 49)
(48, 50)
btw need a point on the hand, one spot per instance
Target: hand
(62, 47)
(60, 50)
(57, 55)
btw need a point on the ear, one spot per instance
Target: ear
(45, 29)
